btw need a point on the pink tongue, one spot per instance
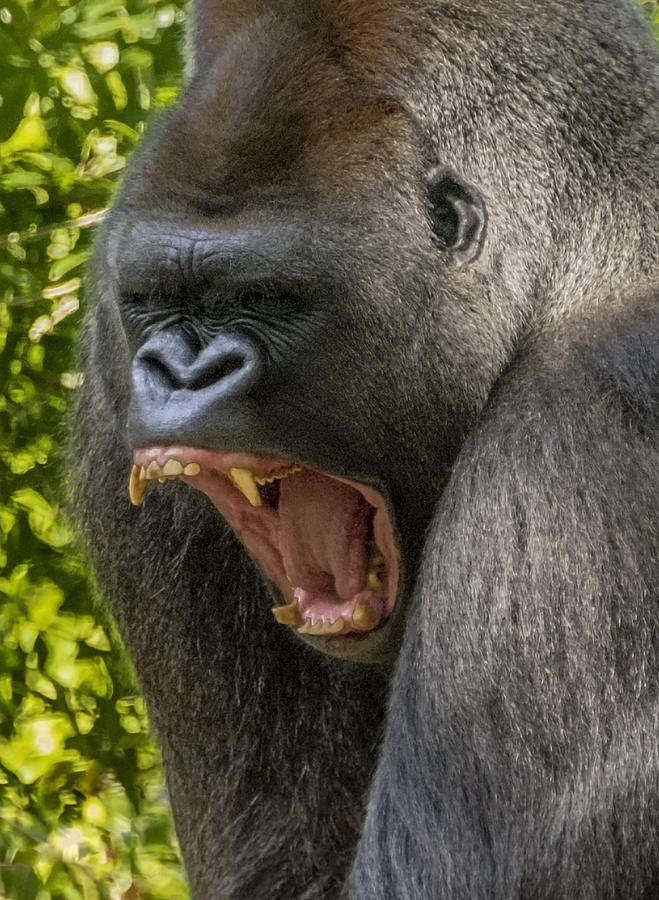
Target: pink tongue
(324, 527)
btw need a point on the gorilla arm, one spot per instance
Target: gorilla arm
(520, 756)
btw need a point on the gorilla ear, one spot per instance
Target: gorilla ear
(457, 215)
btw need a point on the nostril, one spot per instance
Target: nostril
(230, 363)
(217, 371)
(158, 371)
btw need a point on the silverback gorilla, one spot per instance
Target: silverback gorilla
(374, 353)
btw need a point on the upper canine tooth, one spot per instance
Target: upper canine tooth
(172, 468)
(192, 469)
(136, 487)
(153, 471)
(245, 482)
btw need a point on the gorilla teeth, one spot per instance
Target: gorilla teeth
(278, 475)
(321, 628)
(141, 478)
(374, 582)
(136, 487)
(376, 568)
(244, 481)
(364, 616)
(154, 471)
(289, 614)
(248, 483)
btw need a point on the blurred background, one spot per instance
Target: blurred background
(83, 809)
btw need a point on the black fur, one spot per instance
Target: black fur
(500, 381)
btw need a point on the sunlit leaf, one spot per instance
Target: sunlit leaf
(35, 746)
(67, 264)
(30, 134)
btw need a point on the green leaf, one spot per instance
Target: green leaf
(19, 882)
(63, 266)
(30, 134)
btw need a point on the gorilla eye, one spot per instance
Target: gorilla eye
(457, 215)
(271, 299)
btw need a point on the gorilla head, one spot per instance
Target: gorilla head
(380, 286)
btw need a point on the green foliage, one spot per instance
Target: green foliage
(82, 807)
(651, 7)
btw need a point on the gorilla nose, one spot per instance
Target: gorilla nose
(229, 366)
(178, 386)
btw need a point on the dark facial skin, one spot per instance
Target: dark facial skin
(388, 243)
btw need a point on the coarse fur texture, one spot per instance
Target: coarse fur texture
(436, 224)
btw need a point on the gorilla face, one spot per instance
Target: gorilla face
(289, 265)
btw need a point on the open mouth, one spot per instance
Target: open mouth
(326, 542)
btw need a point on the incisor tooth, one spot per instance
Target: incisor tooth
(322, 628)
(243, 480)
(172, 468)
(289, 614)
(364, 617)
(136, 487)
(192, 469)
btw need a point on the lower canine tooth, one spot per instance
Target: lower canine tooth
(136, 487)
(288, 615)
(244, 481)
(364, 616)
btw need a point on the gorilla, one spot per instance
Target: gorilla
(367, 452)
